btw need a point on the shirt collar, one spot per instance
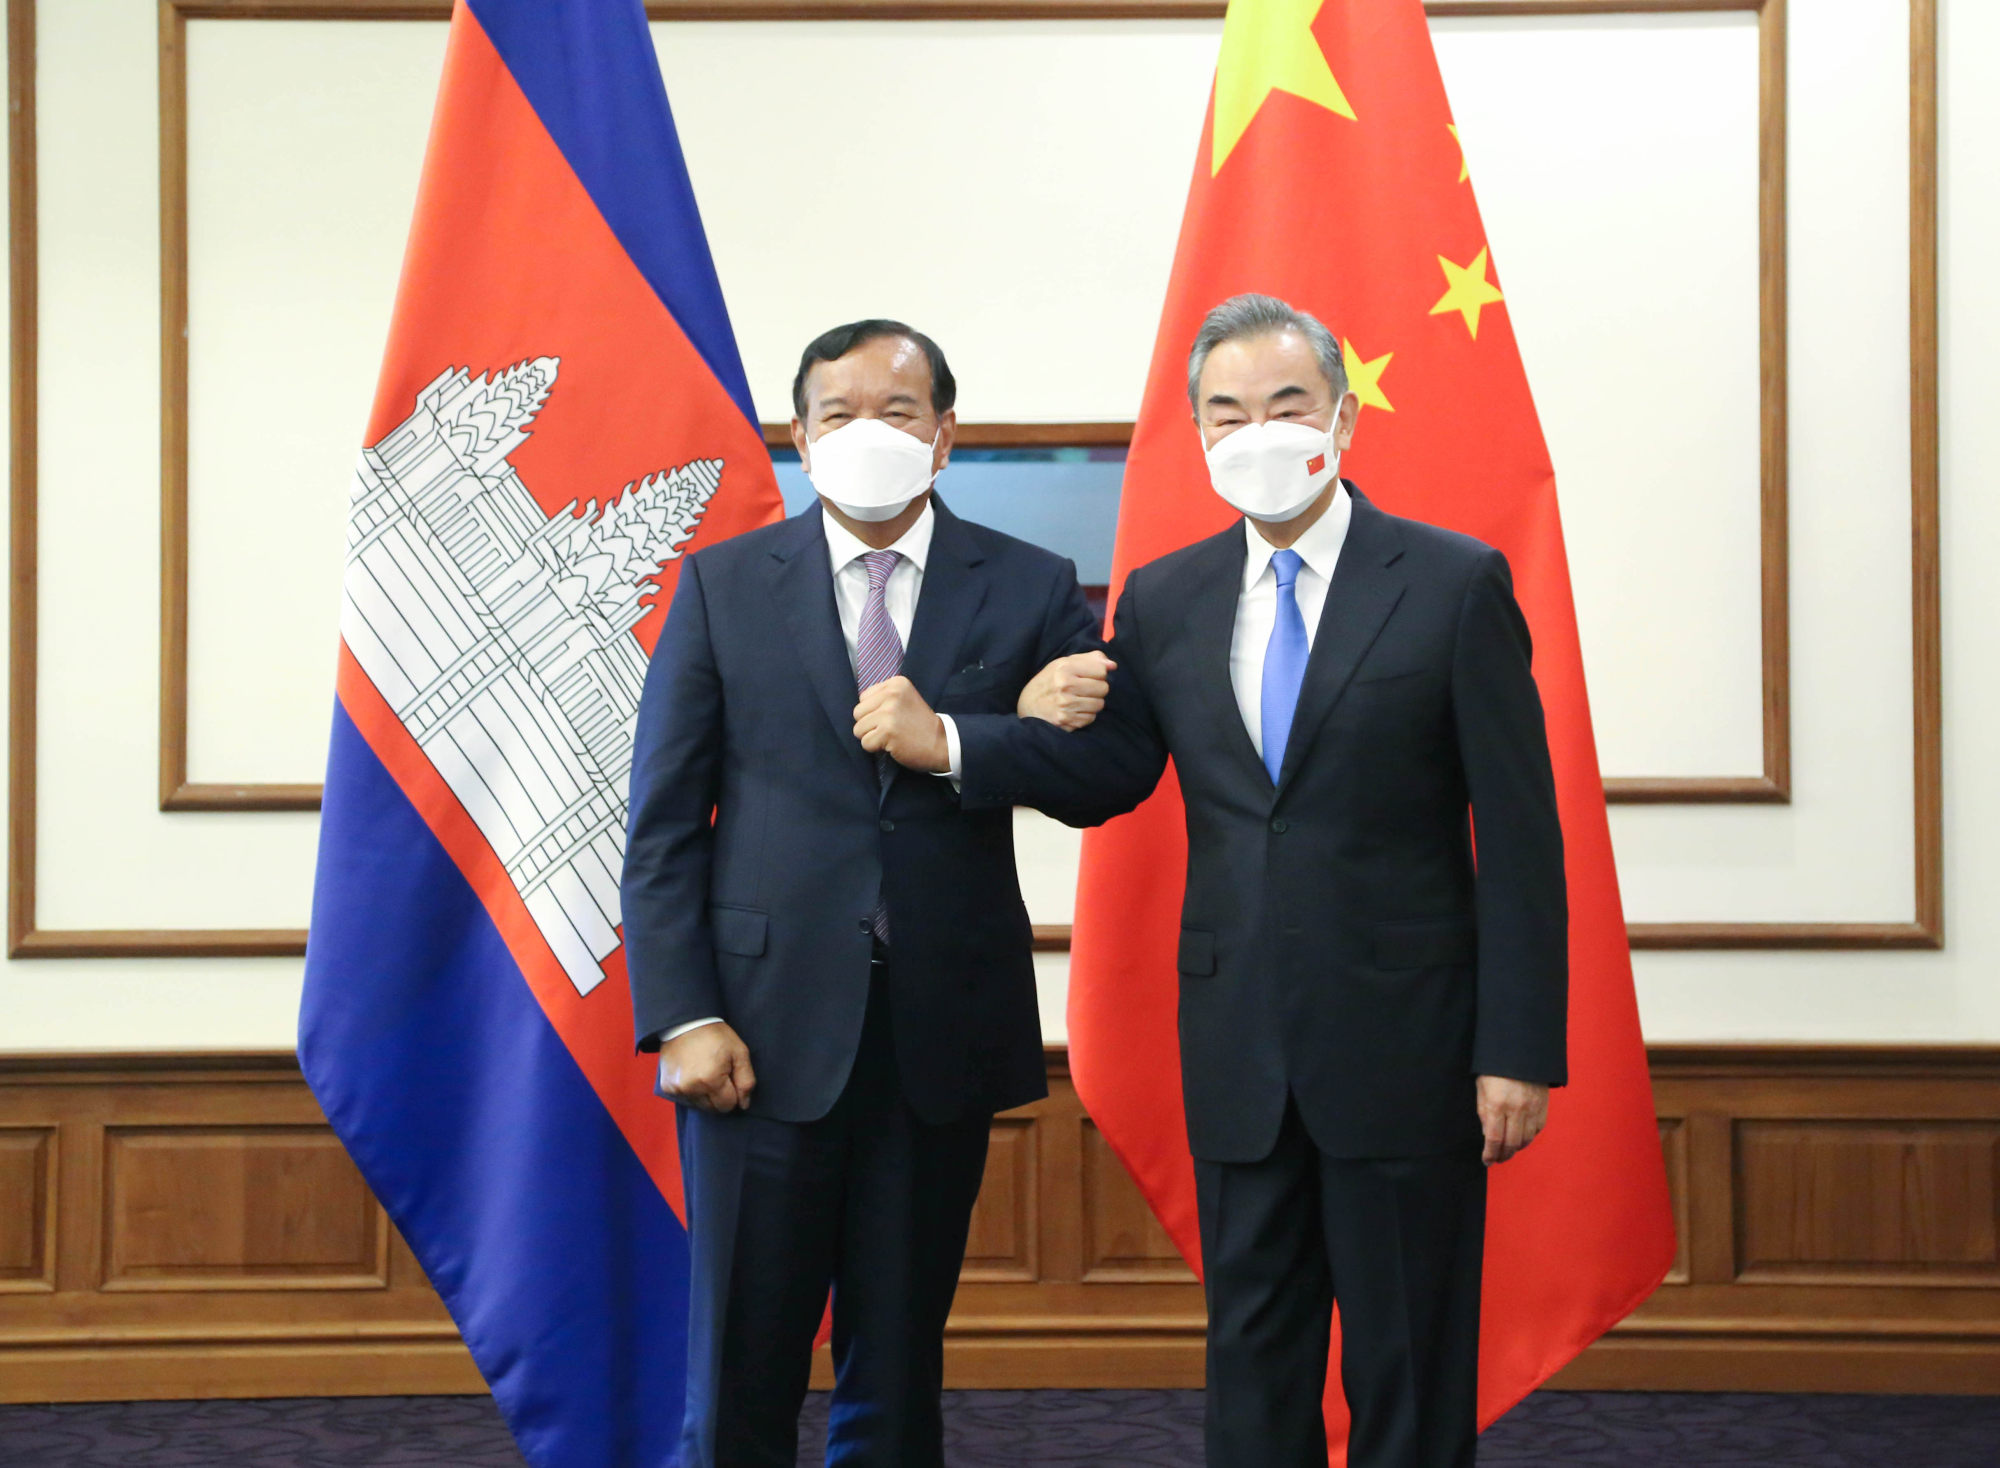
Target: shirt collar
(1319, 547)
(845, 547)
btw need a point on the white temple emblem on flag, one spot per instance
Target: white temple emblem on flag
(502, 637)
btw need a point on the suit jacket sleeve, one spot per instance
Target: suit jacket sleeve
(1068, 628)
(676, 776)
(1522, 892)
(1082, 777)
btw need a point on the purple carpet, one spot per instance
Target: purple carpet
(1107, 1429)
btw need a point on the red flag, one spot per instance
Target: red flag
(1330, 175)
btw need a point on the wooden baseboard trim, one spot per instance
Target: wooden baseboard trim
(1628, 1361)
(1625, 1361)
(364, 1359)
(361, 1368)
(1074, 1363)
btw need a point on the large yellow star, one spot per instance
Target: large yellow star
(1268, 46)
(1463, 173)
(1364, 379)
(1466, 290)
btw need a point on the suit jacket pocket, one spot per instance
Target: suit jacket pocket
(983, 681)
(739, 930)
(1369, 676)
(1427, 943)
(1197, 955)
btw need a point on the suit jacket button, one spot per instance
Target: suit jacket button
(1280, 826)
(867, 926)
(888, 825)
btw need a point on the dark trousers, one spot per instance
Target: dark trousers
(868, 1201)
(1398, 1241)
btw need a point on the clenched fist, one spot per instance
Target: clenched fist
(1069, 692)
(708, 1067)
(1512, 1114)
(893, 719)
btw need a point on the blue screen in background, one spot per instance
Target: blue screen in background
(1063, 498)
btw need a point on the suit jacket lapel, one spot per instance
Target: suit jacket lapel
(1211, 628)
(951, 595)
(1364, 593)
(804, 588)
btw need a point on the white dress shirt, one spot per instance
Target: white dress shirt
(906, 580)
(1257, 603)
(850, 577)
(850, 597)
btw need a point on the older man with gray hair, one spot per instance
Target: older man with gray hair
(1367, 1014)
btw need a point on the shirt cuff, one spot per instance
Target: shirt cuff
(953, 758)
(694, 1024)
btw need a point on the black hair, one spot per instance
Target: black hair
(831, 346)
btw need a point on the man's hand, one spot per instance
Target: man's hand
(1069, 692)
(1511, 1113)
(893, 719)
(708, 1067)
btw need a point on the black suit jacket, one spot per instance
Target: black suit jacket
(760, 835)
(1337, 942)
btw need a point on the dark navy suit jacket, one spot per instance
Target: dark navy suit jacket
(760, 835)
(1339, 945)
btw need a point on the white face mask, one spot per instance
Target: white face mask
(1271, 471)
(869, 470)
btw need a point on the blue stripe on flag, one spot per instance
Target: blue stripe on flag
(561, 1262)
(589, 70)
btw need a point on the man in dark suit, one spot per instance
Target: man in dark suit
(1366, 1013)
(830, 953)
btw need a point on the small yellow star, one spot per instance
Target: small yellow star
(1268, 46)
(1364, 379)
(1462, 174)
(1466, 290)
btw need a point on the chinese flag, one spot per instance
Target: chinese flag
(1330, 174)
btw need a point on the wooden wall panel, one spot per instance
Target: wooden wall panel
(1001, 1245)
(1838, 1223)
(1673, 1148)
(205, 1236)
(1853, 1202)
(176, 1227)
(219, 1208)
(1123, 1241)
(27, 1191)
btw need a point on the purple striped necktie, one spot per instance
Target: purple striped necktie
(878, 657)
(878, 651)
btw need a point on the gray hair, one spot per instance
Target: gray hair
(1255, 315)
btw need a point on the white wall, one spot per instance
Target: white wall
(1021, 174)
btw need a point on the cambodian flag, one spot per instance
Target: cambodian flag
(562, 414)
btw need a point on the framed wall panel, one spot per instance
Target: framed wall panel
(27, 939)
(1771, 703)
(27, 1204)
(1850, 1202)
(208, 1208)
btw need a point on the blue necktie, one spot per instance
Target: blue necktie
(1284, 663)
